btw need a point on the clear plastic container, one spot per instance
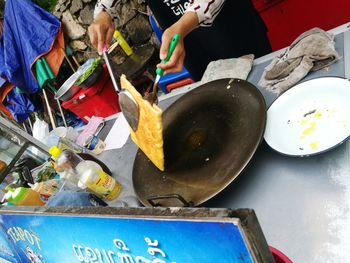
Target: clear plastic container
(47, 188)
(85, 174)
(95, 144)
(66, 144)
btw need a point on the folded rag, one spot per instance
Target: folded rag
(311, 51)
(228, 68)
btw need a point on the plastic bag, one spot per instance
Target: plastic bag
(40, 129)
(40, 132)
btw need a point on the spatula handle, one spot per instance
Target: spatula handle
(171, 49)
(110, 70)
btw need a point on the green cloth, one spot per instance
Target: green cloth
(44, 74)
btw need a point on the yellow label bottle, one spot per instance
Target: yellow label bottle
(122, 42)
(96, 180)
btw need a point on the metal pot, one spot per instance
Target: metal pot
(68, 90)
(92, 78)
(210, 135)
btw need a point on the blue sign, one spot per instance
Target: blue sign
(7, 253)
(131, 240)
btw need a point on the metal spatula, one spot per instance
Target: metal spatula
(127, 103)
(153, 98)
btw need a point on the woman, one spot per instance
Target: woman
(219, 29)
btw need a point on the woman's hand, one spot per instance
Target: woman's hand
(185, 25)
(101, 31)
(176, 61)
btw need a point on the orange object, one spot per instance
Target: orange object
(24, 197)
(3, 166)
(179, 84)
(5, 89)
(55, 55)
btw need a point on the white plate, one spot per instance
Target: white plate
(310, 118)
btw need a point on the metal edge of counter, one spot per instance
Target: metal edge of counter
(347, 53)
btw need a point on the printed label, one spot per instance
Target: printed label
(104, 185)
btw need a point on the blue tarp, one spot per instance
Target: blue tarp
(29, 31)
(19, 105)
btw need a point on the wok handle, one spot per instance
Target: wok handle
(169, 196)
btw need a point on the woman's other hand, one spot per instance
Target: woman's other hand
(185, 25)
(101, 31)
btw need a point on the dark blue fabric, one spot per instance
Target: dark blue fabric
(29, 31)
(70, 198)
(19, 105)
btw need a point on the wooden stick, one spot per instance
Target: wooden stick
(76, 61)
(111, 48)
(49, 110)
(61, 111)
(66, 57)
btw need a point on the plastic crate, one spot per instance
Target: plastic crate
(100, 100)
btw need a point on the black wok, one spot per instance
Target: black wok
(210, 135)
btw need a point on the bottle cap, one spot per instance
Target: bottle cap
(55, 151)
(116, 34)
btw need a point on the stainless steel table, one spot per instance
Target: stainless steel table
(303, 204)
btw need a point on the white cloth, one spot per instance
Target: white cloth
(206, 10)
(311, 51)
(106, 5)
(238, 68)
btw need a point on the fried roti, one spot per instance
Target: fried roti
(149, 134)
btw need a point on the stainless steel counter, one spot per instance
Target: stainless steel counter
(303, 204)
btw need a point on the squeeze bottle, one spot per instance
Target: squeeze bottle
(24, 197)
(65, 163)
(92, 176)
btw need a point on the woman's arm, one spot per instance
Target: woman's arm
(206, 10)
(106, 6)
(199, 13)
(102, 29)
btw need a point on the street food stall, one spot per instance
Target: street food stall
(302, 202)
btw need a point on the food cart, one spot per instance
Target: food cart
(302, 203)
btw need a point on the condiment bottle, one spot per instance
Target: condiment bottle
(122, 42)
(85, 174)
(95, 144)
(65, 163)
(24, 197)
(92, 176)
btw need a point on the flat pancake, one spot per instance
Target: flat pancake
(149, 134)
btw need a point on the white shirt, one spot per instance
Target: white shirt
(206, 10)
